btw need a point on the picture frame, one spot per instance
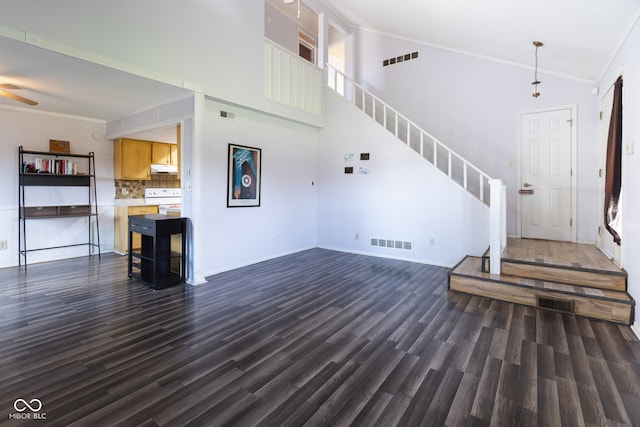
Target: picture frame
(244, 186)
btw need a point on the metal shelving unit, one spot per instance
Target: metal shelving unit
(47, 179)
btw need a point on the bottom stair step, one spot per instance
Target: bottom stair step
(614, 306)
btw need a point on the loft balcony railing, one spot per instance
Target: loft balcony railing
(291, 80)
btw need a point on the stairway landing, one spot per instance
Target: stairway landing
(567, 277)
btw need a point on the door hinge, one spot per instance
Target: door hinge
(600, 115)
(599, 230)
(571, 222)
(600, 173)
(571, 172)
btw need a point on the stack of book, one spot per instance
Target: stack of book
(53, 166)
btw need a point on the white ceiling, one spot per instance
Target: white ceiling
(579, 36)
(66, 85)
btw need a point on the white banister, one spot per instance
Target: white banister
(497, 224)
(395, 126)
(464, 176)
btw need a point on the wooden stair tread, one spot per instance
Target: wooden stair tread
(470, 266)
(564, 262)
(582, 257)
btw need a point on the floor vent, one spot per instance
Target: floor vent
(554, 304)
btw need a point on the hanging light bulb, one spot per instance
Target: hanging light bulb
(291, 1)
(536, 82)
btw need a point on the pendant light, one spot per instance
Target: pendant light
(536, 82)
(291, 1)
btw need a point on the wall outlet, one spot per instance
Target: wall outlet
(3, 245)
(357, 236)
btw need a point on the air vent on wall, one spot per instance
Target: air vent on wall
(393, 244)
(398, 59)
(227, 115)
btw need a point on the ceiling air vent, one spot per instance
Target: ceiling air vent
(557, 305)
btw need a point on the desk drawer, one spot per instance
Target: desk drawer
(75, 210)
(39, 211)
(147, 229)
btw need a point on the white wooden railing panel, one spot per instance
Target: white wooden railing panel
(291, 80)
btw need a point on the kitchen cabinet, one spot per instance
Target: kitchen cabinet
(160, 153)
(164, 154)
(121, 226)
(131, 159)
(173, 148)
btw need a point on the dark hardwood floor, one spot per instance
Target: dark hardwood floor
(315, 338)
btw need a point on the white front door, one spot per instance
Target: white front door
(546, 175)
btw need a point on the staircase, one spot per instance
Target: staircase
(574, 279)
(491, 192)
(570, 278)
(445, 160)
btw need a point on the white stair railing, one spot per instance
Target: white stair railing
(489, 191)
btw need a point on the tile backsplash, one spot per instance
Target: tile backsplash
(135, 189)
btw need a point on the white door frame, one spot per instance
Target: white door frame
(611, 250)
(574, 167)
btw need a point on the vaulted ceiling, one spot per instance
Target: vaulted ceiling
(579, 36)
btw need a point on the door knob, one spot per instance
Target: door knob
(526, 184)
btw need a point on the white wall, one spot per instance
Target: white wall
(280, 29)
(285, 221)
(401, 198)
(627, 62)
(472, 105)
(33, 131)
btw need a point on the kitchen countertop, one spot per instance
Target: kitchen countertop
(132, 202)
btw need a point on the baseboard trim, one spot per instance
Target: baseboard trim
(635, 330)
(251, 262)
(399, 258)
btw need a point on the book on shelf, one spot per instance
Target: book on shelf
(50, 166)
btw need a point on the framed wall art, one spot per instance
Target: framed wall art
(243, 176)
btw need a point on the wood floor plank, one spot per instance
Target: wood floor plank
(313, 338)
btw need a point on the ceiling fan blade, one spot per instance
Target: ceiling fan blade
(9, 86)
(17, 98)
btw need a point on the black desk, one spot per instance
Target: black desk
(155, 263)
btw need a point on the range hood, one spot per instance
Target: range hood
(168, 169)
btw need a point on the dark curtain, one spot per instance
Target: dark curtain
(613, 180)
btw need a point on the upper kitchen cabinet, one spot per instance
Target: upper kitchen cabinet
(131, 159)
(160, 153)
(174, 154)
